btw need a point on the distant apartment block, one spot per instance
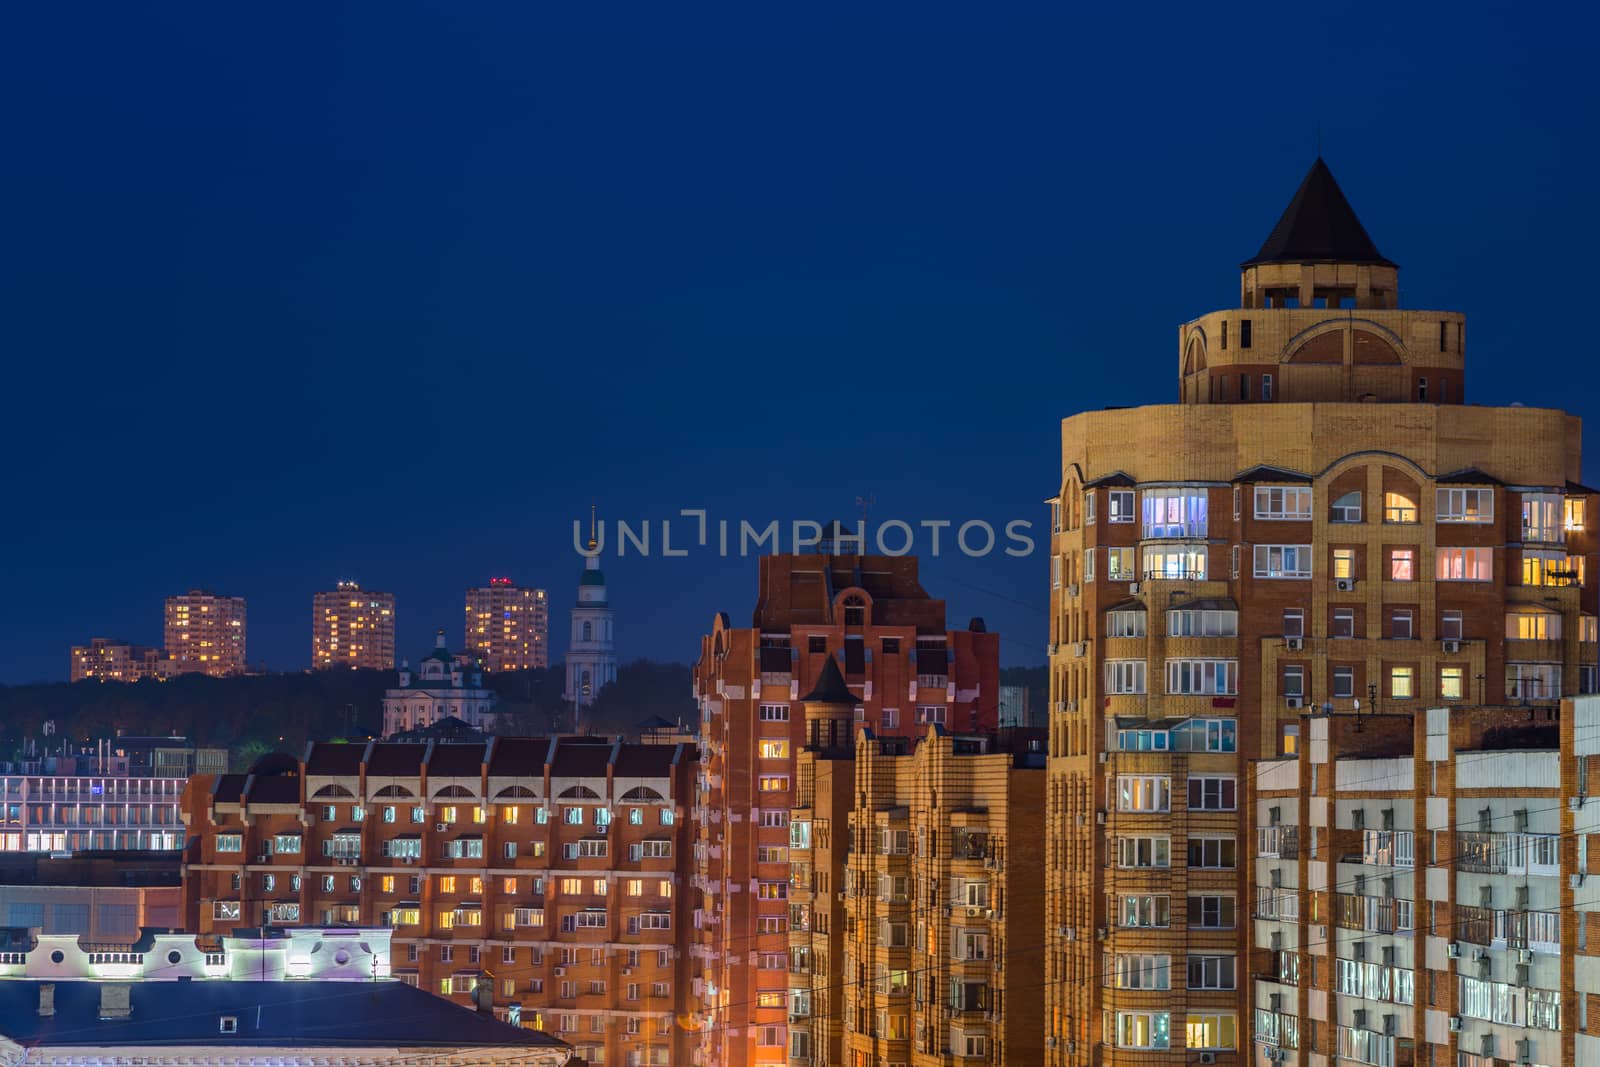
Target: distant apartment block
(102, 898)
(352, 627)
(108, 660)
(552, 867)
(508, 626)
(205, 633)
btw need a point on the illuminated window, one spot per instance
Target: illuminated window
(1402, 564)
(1219, 1031)
(1401, 683)
(1533, 626)
(1397, 507)
(1452, 683)
(1464, 565)
(774, 750)
(1344, 563)
(447, 883)
(1576, 508)
(508, 814)
(774, 783)
(447, 814)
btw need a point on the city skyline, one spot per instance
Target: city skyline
(261, 257)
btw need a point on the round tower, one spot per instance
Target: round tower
(830, 710)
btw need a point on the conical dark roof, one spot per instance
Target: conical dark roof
(830, 687)
(1319, 226)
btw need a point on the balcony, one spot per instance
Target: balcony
(1280, 842)
(1373, 915)
(1485, 852)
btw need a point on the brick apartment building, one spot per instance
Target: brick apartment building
(1321, 522)
(916, 894)
(550, 869)
(906, 671)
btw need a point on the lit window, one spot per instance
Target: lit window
(1464, 565)
(1402, 564)
(774, 750)
(1452, 683)
(1397, 507)
(1344, 563)
(1401, 683)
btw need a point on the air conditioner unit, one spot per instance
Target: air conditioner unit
(1103, 756)
(1100, 817)
(973, 911)
(1480, 955)
(1049, 1042)
(1575, 881)
(1361, 1018)
(1080, 649)
(1069, 933)
(1452, 646)
(561, 972)
(1295, 702)
(1294, 644)
(1453, 950)
(1486, 1044)
(626, 971)
(1575, 803)
(1052, 648)
(1206, 1057)
(1072, 590)
(263, 858)
(1524, 1051)
(441, 827)
(1133, 588)
(1455, 1024)
(1101, 933)
(1525, 955)
(603, 829)
(1344, 585)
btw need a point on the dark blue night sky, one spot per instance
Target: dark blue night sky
(292, 294)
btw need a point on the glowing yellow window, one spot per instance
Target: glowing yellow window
(477, 886)
(508, 814)
(386, 883)
(509, 887)
(447, 883)
(774, 750)
(479, 815)
(1344, 563)
(447, 814)
(666, 888)
(447, 919)
(636, 887)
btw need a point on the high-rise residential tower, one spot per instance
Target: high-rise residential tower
(352, 627)
(1320, 522)
(887, 642)
(205, 633)
(508, 626)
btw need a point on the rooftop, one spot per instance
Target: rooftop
(1319, 226)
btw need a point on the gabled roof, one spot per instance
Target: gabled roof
(1117, 478)
(1263, 472)
(1319, 226)
(1468, 476)
(343, 1015)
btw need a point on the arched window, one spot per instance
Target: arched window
(584, 687)
(588, 631)
(1347, 508)
(1398, 507)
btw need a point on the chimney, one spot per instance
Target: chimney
(114, 1003)
(47, 999)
